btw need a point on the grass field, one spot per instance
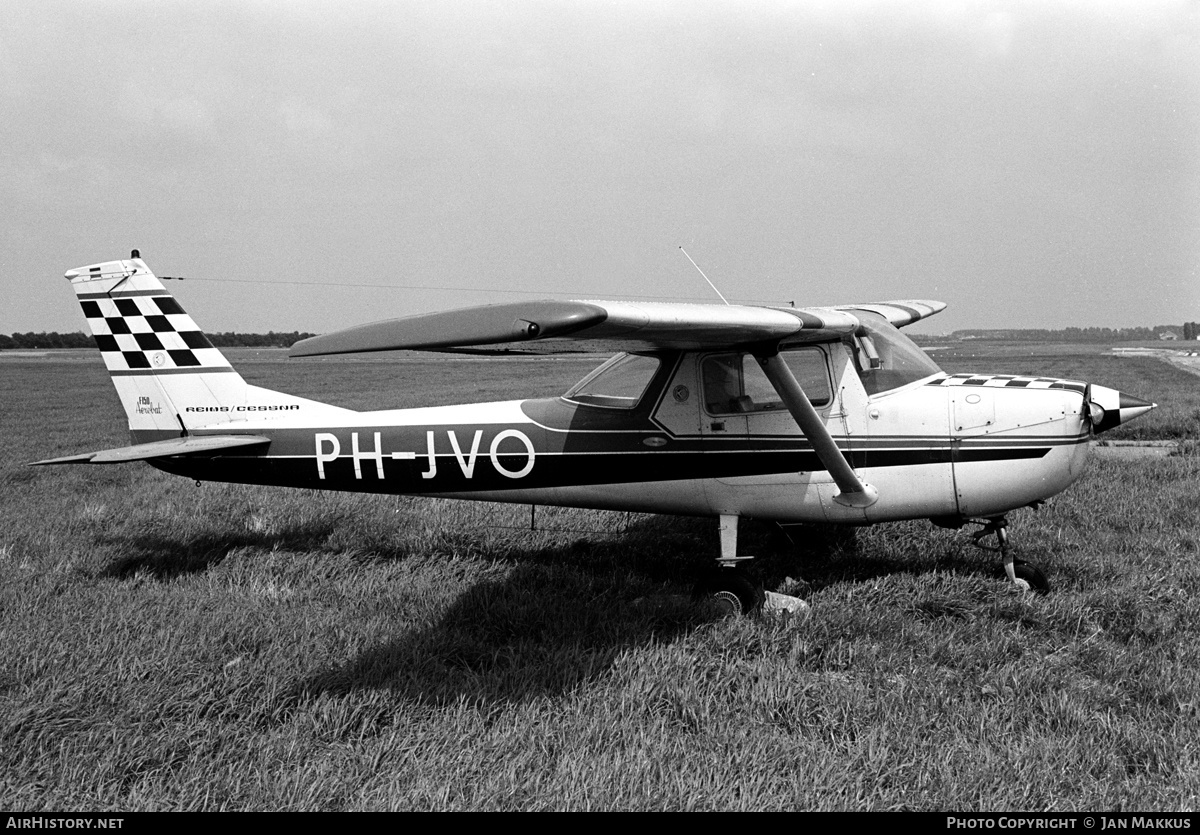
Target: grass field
(171, 646)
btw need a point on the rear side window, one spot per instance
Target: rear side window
(736, 384)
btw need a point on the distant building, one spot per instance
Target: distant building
(1168, 336)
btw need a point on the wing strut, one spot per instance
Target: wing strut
(855, 491)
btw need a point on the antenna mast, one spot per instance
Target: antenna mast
(710, 284)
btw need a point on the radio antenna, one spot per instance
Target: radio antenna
(710, 284)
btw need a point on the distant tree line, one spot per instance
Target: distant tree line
(1187, 331)
(54, 339)
(270, 339)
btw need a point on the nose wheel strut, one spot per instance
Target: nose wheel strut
(1024, 575)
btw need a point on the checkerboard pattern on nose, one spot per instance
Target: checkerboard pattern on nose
(1008, 381)
(148, 333)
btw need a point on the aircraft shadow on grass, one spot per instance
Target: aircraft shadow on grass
(566, 612)
(165, 557)
(562, 615)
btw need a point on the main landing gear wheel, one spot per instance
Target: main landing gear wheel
(731, 591)
(726, 586)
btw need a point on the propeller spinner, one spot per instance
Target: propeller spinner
(1109, 408)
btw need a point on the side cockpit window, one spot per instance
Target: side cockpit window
(736, 384)
(618, 384)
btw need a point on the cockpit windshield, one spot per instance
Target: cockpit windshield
(886, 358)
(618, 384)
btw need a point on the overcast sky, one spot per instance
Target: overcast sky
(1032, 164)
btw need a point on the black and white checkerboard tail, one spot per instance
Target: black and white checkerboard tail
(168, 375)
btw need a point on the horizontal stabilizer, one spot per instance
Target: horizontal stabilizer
(160, 449)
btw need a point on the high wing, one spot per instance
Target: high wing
(160, 449)
(555, 326)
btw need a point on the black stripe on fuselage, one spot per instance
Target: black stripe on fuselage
(481, 463)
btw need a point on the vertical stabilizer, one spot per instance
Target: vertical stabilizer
(167, 373)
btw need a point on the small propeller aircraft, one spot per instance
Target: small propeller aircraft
(820, 414)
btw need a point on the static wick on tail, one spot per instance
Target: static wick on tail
(137, 254)
(710, 284)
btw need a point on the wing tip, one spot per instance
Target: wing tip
(901, 312)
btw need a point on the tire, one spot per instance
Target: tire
(732, 592)
(1032, 576)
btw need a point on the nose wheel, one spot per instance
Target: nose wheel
(1024, 575)
(1029, 576)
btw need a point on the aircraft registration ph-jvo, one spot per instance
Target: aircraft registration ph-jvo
(820, 414)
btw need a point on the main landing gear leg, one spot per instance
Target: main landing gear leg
(1024, 575)
(730, 588)
(727, 586)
